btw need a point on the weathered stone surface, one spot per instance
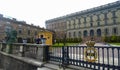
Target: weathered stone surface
(11, 63)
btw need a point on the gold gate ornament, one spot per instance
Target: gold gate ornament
(90, 52)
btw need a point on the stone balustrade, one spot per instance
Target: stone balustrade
(23, 55)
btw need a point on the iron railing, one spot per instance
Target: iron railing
(108, 57)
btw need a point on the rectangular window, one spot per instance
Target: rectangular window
(28, 32)
(91, 24)
(20, 31)
(74, 34)
(85, 20)
(115, 31)
(98, 24)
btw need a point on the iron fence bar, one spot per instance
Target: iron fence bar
(94, 64)
(80, 56)
(87, 61)
(103, 57)
(83, 56)
(76, 55)
(72, 56)
(56, 54)
(75, 63)
(108, 58)
(113, 57)
(98, 58)
(67, 55)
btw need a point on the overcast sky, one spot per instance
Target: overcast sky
(38, 11)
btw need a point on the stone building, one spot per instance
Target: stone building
(95, 22)
(24, 30)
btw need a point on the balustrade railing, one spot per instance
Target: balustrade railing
(35, 51)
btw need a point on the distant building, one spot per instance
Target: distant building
(24, 31)
(95, 22)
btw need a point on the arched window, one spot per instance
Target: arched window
(91, 32)
(85, 33)
(98, 32)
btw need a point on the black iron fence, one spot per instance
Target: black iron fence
(103, 57)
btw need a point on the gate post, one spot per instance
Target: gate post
(65, 56)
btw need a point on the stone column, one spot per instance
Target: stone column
(42, 53)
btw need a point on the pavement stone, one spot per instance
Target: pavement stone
(44, 68)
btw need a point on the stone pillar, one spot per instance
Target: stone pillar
(43, 53)
(0, 46)
(22, 51)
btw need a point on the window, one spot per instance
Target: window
(98, 24)
(20, 31)
(35, 33)
(69, 25)
(69, 35)
(105, 18)
(7, 28)
(98, 18)
(106, 31)
(74, 24)
(85, 33)
(91, 24)
(28, 32)
(91, 32)
(79, 34)
(99, 32)
(114, 30)
(79, 22)
(74, 34)
(113, 14)
(85, 20)
(91, 20)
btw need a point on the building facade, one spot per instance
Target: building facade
(24, 30)
(95, 22)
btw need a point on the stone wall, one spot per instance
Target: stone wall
(10, 63)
